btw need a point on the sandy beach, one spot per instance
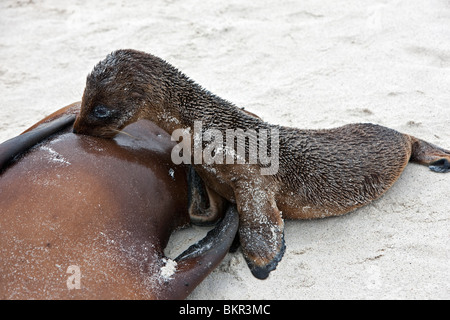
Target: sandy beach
(306, 64)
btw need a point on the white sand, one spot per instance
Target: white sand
(309, 64)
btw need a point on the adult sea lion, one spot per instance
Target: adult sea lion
(88, 218)
(321, 173)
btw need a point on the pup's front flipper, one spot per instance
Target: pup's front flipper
(261, 229)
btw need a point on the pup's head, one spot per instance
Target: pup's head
(123, 88)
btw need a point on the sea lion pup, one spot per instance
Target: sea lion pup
(321, 173)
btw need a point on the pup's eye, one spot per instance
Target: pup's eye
(101, 111)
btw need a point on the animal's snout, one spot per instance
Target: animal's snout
(78, 127)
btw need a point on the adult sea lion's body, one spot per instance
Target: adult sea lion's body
(321, 172)
(88, 218)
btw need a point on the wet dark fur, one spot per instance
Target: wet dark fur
(321, 172)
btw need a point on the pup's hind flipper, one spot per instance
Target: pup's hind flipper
(436, 158)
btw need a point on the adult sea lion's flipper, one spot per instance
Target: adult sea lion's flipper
(194, 264)
(17, 145)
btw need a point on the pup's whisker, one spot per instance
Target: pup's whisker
(123, 132)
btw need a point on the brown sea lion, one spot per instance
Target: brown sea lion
(88, 218)
(321, 173)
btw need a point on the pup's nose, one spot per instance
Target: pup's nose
(76, 126)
